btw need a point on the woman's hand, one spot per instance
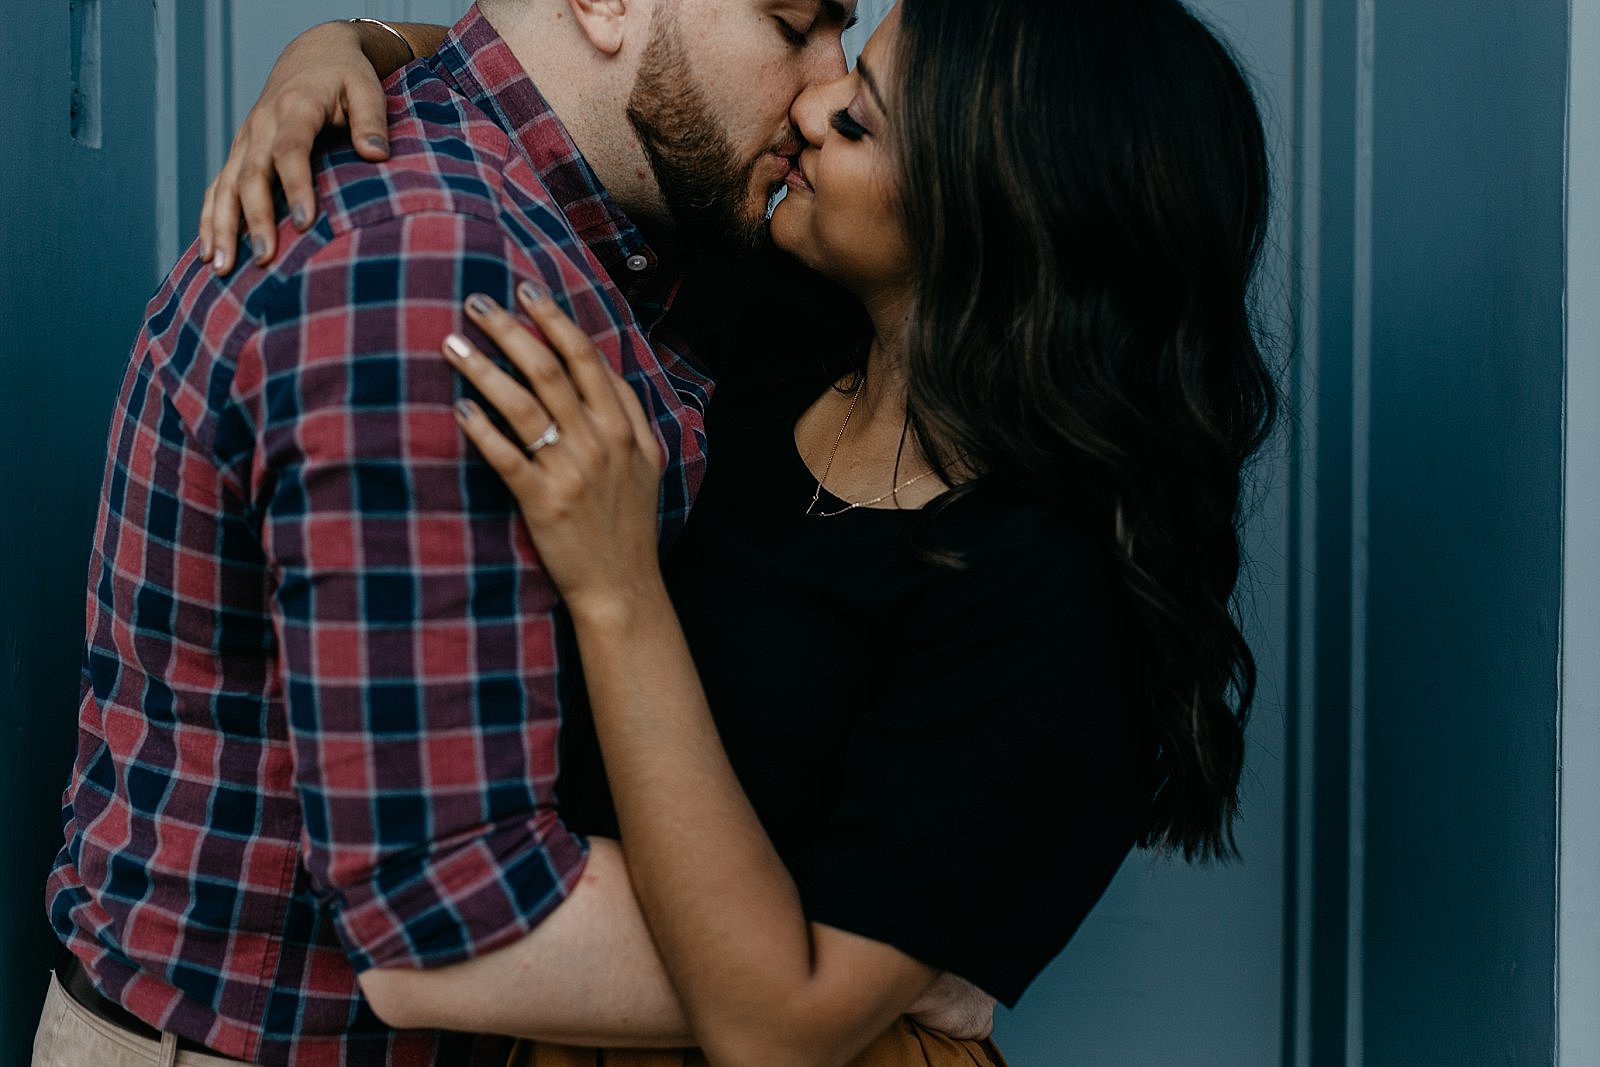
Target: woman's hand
(956, 1007)
(324, 78)
(584, 464)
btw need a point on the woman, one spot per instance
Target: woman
(962, 620)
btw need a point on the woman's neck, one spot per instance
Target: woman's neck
(856, 441)
(883, 389)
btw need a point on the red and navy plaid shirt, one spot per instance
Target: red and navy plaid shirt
(321, 689)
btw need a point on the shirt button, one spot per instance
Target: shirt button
(637, 263)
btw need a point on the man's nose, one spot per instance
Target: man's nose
(809, 113)
(830, 65)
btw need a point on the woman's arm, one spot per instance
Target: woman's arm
(760, 982)
(330, 75)
(423, 38)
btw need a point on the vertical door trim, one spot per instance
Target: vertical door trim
(219, 82)
(169, 227)
(1577, 977)
(1360, 503)
(1305, 364)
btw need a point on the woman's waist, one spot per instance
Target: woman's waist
(904, 1044)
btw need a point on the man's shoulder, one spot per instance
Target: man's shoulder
(446, 156)
(456, 205)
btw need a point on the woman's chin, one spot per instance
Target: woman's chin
(788, 236)
(779, 225)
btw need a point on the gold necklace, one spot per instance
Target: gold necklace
(833, 453)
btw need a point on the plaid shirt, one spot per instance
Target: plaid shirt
(321, 691)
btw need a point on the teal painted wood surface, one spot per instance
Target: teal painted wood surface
(78, 230)
(1465, 519)
(1398, 899)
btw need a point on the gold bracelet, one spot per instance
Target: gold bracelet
(397, 34)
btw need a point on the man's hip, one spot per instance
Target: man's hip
(73, 1033)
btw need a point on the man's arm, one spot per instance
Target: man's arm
(330, 75)
(587, 975)
(417, 643)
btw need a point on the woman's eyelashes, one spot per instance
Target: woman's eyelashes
(848, 128)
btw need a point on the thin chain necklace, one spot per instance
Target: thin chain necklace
(833, 453)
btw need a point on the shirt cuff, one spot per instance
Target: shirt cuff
(461, 898)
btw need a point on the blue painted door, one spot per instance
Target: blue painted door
(1396, 903)
(78, 228)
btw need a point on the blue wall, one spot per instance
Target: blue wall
(1578, 977)
(1432, 343)
(1464, 601)
(79, 232)
(1398, 901)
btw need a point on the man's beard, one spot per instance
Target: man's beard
(705, 186)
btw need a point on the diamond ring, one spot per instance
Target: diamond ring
(550, 436)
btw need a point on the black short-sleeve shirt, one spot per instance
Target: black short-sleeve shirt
(943, 756)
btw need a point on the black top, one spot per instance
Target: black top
(941, 756)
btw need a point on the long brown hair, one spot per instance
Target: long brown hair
(1085, 190)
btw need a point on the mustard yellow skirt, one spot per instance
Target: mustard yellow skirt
(903, 1045)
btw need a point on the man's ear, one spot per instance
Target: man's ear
(604, 22)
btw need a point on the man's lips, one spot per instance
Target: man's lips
(796, 178)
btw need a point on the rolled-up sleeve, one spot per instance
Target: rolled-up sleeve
(418, 633)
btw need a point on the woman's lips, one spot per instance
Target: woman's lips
(796, 178)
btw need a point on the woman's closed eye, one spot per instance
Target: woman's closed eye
(848, 128)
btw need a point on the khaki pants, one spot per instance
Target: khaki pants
(70, 1035)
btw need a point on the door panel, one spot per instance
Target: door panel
(78, 227)
(259, 32)
(1240, 964)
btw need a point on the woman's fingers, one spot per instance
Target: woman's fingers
(207, 237)
(367, 109)
(588, 368)
(596, 413)
(508, 461)
(260, 214)
(543, 369)
(219, 211)
(291, 161)
(529, 420)
(222, 205)
(644, 434)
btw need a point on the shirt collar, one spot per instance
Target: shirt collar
(485, 70)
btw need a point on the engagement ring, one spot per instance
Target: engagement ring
(550, 436)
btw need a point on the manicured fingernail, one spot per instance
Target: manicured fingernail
(466, 409)
(379, 144)
(220, 260)
(533, 294)
(457, 346)
(480, 304)
(205, 252)
(258, 245)
(300, 215)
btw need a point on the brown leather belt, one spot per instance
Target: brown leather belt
(80, 987)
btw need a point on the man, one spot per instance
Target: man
(312, 814)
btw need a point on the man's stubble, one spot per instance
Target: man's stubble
(703, 182)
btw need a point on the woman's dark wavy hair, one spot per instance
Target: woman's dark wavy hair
(1085, 192)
